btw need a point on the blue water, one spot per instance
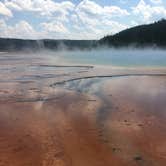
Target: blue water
(113, 57)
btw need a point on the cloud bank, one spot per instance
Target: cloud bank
(36, 19)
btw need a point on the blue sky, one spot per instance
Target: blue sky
(75, 19)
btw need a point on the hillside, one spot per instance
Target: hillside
(144, 35)
(35, 45)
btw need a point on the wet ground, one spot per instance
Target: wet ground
(54, 114)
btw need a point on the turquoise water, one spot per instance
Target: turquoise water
(112, 57)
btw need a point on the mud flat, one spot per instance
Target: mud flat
(112, 117)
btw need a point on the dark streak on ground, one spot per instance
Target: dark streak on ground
(66, 66)
(104, 76)
(43, 99)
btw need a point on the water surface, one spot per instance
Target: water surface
(121, 57)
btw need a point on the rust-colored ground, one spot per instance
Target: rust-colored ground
(54, 134)
(125, 127)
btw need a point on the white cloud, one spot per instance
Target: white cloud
(115, 26)
(12, 6)
(89, 7)
(5, 11)
(157, 1)
(87, 20)
(92, 18)
(23, 4)
(21, 29)
(115, 11)
(44, 7)
(57, 27)
(147, 13)
(93, 9)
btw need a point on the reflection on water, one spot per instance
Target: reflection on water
(148, 92)
(90, 85)
(132, 115)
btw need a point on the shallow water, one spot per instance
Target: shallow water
(21, 72)
(121, 57)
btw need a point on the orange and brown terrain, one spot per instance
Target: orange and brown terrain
(80, 115)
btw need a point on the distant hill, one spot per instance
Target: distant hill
(143, 35)
(35, 45)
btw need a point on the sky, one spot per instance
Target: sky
(75, 19)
